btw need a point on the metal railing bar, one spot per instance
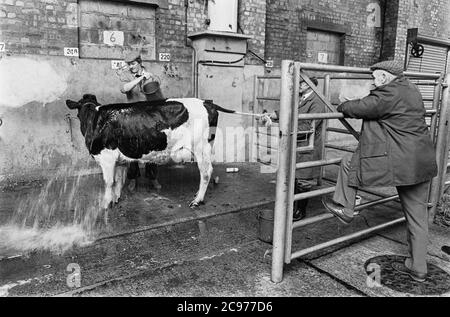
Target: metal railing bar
(324, 216)
(268, 77)
(267, 134)
(311, 220)
(267, 147)
(314, 193)
(345, 238)
(337, 130)
(334, 115)
(376, 202)
(417, 75)
(268, 98)
(304, 149)
(425, 84)
(341, 148)
(317, 163)
(360, 70)
(350, 77)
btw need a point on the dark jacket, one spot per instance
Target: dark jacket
(395, 146)
(312, 104)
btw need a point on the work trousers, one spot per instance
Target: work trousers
(414, 204)
(151, 171)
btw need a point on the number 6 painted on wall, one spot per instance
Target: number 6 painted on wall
(113, 37)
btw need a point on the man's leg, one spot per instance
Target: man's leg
(300, 186)
(303, 180)
(132, 175)
(414, 203)
(151, 171)
(344, 194)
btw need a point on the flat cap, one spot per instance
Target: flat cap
(393, 67)
(132, 56)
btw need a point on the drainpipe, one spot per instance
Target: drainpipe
(383, 27)
(194, 53)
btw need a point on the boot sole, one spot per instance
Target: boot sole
(336, 215)
(411, 275)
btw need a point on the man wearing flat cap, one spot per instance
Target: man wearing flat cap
(133, 83)
(309, 103)
(395, 149)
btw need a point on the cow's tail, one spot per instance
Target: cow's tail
(219, 108)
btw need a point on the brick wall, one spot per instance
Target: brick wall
(38, 26)
(288, 21)
(171, 30)
(390, 12)
(430, 17)
(45, 27)
(278, 27)
(252, 21)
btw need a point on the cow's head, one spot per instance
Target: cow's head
(86, 110)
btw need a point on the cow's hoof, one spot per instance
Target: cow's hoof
(195, 204)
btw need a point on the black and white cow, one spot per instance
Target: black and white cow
(157, 131)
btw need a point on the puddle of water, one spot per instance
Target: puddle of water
(64, 213)
(58, 239)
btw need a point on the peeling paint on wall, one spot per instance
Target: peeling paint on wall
(171, 70)
(23, 80)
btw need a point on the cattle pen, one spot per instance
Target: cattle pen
(283, 226)
(153, 232)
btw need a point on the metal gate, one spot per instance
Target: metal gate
(290, 75)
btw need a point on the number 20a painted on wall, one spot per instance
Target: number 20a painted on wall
(71, 51)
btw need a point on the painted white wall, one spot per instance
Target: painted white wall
(23, 80)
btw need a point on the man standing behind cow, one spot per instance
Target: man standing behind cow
(309, 103)
(134, 84)
(395, 149)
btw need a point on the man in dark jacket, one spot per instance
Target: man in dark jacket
(395, 149)
(309, 103)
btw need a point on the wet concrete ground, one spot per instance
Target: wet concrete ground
(152, 249)
(146, 207)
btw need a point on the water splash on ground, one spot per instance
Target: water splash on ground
(62, 214)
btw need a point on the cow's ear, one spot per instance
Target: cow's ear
(90, 97)
(72, 104)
